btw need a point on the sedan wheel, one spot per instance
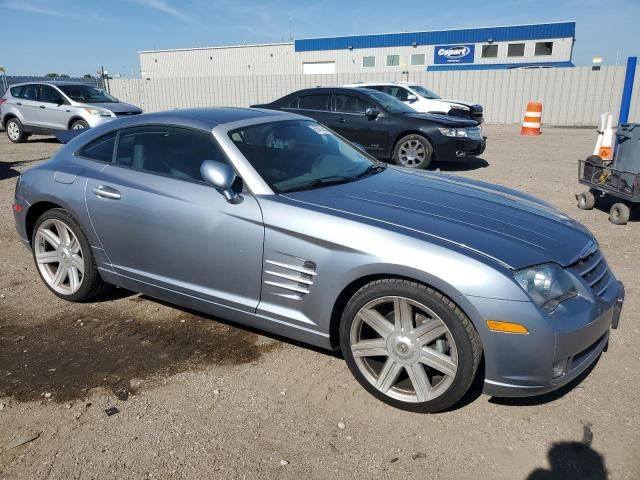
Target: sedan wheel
(413, 151)
(412, 356)
(59, 257)
(63, 257)
(409, 345)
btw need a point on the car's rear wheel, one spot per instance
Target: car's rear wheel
(409, 345)
(63, 257)
(15, 131)
(413, 151)
(79, 125)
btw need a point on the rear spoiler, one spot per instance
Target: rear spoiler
(65, 136)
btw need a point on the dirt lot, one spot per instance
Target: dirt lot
(200, 398)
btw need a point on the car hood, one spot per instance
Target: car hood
(510, 227)
(118, 107)
(442, 119)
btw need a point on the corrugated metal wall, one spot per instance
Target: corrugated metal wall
(570, 96)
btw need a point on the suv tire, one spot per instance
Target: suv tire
(15, 131)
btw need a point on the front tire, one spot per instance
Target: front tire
(619, 214)
(15, 131)
(409, 345)
(64, 259)
(586, 200)
(79, 125)
(413, 151)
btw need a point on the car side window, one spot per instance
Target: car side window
(16, 92)
(170, 151)
(316, 101)
(29, 92)
(100, 149)
(400, 93)
(292, 103)
(350, 104)
(48, 94)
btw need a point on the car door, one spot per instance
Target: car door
(53, 111)
(28, 104)
(161, 225)
(350, 121)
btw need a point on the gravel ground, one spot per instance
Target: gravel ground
(200, 398)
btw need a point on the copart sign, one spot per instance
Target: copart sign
(453, 54)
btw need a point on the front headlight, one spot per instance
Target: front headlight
(454, 132)
(98, 112)
(547, 285)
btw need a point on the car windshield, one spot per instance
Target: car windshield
(389, 103)
(425, 92)
(87, 94)
(301, 155)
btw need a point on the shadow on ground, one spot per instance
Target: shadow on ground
(8, 169)
(572, 461)
(460, 165)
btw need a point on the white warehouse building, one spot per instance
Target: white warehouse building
(516, 46)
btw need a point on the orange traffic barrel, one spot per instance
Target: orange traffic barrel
(532, 118)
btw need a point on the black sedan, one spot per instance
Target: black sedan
(385, 127)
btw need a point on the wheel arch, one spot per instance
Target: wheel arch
(352, 287)
(8, 117)
(34, 212)
(73, 119)
(403, 134)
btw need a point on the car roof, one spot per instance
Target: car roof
(218, 115)
(364, 84)
(328, 90)
(57, 83)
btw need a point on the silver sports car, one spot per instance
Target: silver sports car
(271, 220)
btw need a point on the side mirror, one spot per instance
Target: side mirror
(372, 112)
(221, 176)
(411, 98)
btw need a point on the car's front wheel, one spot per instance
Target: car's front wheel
(63, 257)
(409, 345)
(413, 151)
(15, 131)
(79, 125)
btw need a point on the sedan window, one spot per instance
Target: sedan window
(298, 154)
(314, 102)
(350, 104)
(170, 151)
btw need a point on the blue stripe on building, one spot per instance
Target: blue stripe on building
(446, 37)
(495, 66)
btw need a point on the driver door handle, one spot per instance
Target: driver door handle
(342, 120)
(42, 106)
(104, 191)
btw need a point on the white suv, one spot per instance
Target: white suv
(424, 100)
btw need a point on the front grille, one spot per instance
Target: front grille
(127, 114)
(593, 268)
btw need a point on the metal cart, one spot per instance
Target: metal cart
(619, 179)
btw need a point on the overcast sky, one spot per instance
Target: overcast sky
(77, 36)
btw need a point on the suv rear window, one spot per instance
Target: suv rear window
(16, 91)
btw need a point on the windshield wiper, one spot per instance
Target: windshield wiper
(319, 182)
(371, 169)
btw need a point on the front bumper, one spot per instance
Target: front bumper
(451, 149)
(97, 120)
(557, 350)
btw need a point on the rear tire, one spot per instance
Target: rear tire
(413, 151)
(79, 125)
(586, 200)
(409, 345)
(64, 258)
(619, 214)
(15, 131)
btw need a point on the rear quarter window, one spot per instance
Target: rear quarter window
(16, 91)
(100, 149)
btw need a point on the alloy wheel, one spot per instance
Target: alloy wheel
(403, 349)
(59, 256)
(13, 131)
(412, 153)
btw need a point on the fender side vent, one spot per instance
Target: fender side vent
(291, 278)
